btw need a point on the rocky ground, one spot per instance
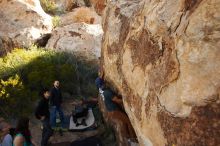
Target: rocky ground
(68, 137)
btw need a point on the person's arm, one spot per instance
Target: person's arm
(38, 111)
(19, 141)
(61, 97)
(117, 100)
(51, 96)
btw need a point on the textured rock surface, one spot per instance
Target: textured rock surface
(21, 23)
(163, 57)
(98, 5)
(82, 14)
(81, 39)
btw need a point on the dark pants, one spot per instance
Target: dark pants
(47, 132)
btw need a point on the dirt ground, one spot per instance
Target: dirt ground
(56, 140)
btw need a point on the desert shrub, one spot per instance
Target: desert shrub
(56, 21)
(87, 3)
(49, 6)
(23, 73)
(15, 99)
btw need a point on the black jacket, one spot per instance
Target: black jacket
(56, 97)
(42, 109)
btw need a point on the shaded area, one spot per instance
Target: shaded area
(102, 131)
(25, 72)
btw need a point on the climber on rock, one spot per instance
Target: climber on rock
(42, 113)
(112, 103)
(56, 102)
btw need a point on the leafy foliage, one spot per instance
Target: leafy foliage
(49, 6)
(23, 73)
(10, 88)
(56, 21)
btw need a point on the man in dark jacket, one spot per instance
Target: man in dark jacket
(42, 113)
(56, 101)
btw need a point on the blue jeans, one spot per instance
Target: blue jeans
(54, 110)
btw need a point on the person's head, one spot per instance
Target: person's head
(45, 93)
(23, 128)
(4, 128)
(56, 84)
(22, 124)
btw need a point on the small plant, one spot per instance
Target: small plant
(56, 21)
(87, 3)
(49, 6)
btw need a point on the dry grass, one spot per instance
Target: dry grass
(84, 14)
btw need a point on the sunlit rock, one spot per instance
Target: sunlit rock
(81, 39)
(163, 58)
(21, 23)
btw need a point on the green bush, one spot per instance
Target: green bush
(49, 6)
(24, 73)
(14, 97)
(56, 21)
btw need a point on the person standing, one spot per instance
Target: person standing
(42, 113)
(56, 102)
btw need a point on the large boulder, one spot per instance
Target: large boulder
(80, 39)
(22, 22)
(163, 58)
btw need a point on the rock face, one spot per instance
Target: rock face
(163, 58)
(82, 14)
(98, 5)
(21, 23)
(81, 39)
